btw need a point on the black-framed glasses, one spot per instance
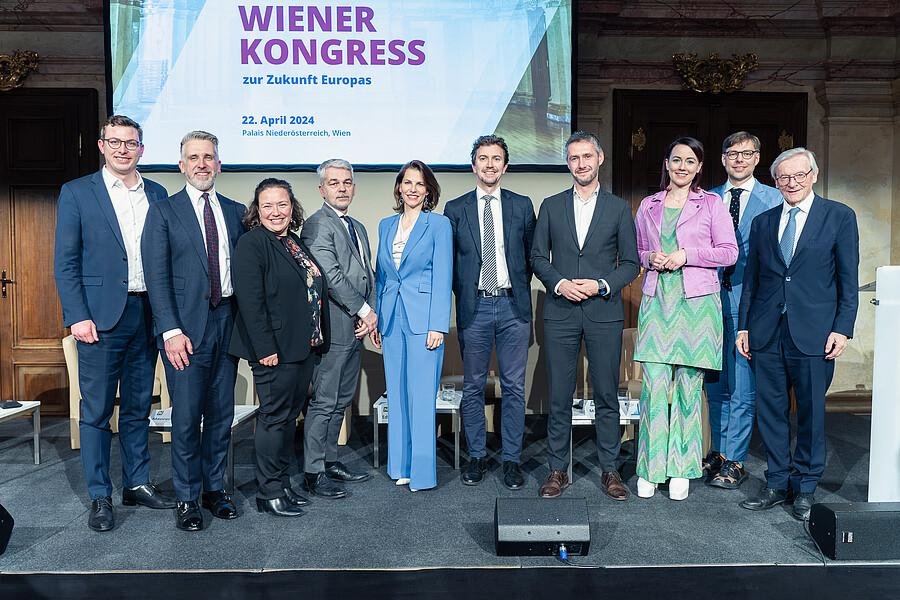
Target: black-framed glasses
(746, 154)
(115, 143)
(798, 177)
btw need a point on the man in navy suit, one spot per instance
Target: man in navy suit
(797, 312)
(585, 252)
(100, 279)
(492, 233)
(732, 391)
(187, 248)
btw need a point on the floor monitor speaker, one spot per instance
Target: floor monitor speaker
(6, 527)
(857, 530)
(536, 527)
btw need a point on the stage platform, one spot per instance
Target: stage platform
(386, 542)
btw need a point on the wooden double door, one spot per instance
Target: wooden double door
(646, 122)
(47, 137)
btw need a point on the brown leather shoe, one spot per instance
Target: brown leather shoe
(556, 482)
(612, 485)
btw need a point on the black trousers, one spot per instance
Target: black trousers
(562, 341)
(282, 395)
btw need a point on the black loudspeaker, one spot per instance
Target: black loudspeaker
(6, 525)
(537, 527)
(857, 531)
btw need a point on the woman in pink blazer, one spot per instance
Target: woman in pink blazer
(684, 234)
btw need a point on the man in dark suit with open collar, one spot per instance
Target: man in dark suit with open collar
(187, 247)
(493, 229)
(585, 252)
(797, 312)
(100, 279)
(340, 244)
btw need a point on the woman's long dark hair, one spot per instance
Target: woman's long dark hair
(251, 217)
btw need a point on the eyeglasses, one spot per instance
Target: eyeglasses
(115, 143)
(798, 177)
(746, 154)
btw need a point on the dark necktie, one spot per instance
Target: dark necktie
(352, 230)
(489, 278)
(212, 251)
(734, 208)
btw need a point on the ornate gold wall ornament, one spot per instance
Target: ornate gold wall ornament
(638, 140)
(16, 67)
(785, 141)
(714, 74)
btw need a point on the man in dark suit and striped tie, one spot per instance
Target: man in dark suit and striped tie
(492, 233)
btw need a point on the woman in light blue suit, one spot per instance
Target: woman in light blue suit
(413, 284)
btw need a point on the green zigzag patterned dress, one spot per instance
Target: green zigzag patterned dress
(678, 337)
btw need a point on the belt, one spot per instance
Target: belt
(138, 294)
(495, 294)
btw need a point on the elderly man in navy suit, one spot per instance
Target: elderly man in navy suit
(797, 311)
(187, 248)
(100, 279)
(732, 391)
(492, 233)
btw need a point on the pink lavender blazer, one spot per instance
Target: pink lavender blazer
(704, 231)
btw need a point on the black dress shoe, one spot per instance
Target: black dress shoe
(766, 499)
(802, 504)
(295, 498)
(320, 485)
(220, 505)
(339, 472)
(188, 516)
(146, 495)
(512, 475)
(280, 507)
(101, 517)
(474, 472)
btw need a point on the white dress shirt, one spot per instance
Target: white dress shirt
(747, 186)
(499, 244)
(131, 206)
(584, 214)
(799, 219)
(365, 309)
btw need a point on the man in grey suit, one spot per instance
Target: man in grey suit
(584, 252)
(340, 245)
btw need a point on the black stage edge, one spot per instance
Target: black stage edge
(733, 582)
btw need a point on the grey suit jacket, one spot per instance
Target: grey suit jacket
(351, 282)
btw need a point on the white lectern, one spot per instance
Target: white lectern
(884, 449)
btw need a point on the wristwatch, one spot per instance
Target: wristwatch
(602, 287)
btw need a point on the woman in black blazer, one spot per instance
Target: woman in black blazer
(281, 330)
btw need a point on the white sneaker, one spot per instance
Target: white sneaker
(402, 481)
(678, 488)
(645, 488)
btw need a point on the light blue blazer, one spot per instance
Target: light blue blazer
(761, 199)
(424, 278)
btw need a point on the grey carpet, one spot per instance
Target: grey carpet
(383, 526)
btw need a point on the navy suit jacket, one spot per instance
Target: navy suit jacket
(518, 234)
(176, 266)
(609, 252)
(820, 288)
(89, 258)
(761, 199)
(423, 280)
